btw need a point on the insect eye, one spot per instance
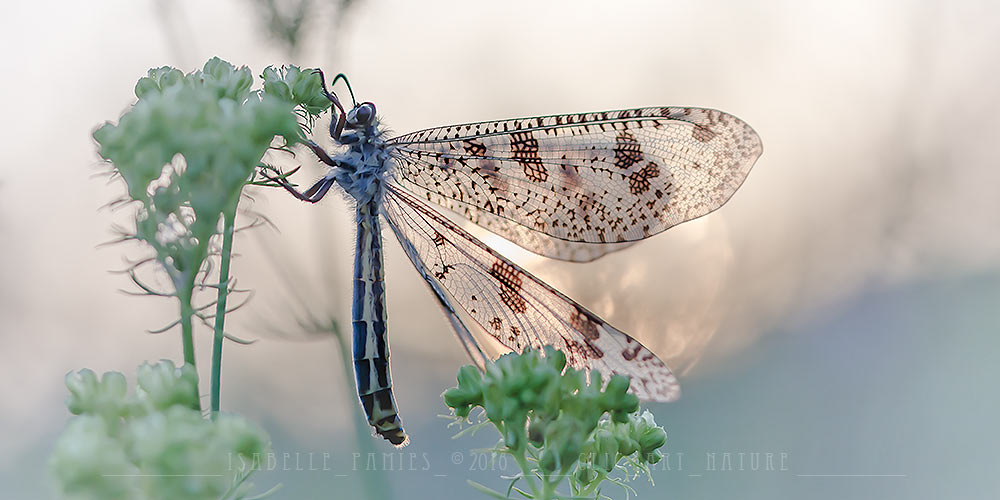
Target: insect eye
(364, 113)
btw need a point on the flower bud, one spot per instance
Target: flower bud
(627, 445)
(652, 438)
(241, 435)
(88, 396)
(164, 385)
(649, 435)
(548, 462)
(584, 474)
(468, 393)
(605, 450)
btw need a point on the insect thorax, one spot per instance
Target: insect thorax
(363, 166)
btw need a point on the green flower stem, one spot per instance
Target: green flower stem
(591, 490)
(228, 225)
(549, 483)
(184, 293)
(522, 462)
(548, 488)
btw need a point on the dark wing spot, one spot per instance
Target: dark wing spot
(582, 323)
(438, 239)
(638, 182)
(515, 332)
(509, 280)
(475, 148)
(524, 150)
(628, 152)
(702, 133)
(630, 354)
(488, 171)
(586, 325)
(579, 351)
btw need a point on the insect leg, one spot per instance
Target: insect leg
(313, 194)
(321, 154)
(337, 124)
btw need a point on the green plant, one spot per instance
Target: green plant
(151, 443)
(556, 426)
(186, 150)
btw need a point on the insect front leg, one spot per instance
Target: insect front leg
(321, 154)
(318, 190)
(313, 194)
(338, 122)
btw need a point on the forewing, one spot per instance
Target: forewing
(575, 187)
(513, 306)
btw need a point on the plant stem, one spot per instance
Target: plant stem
(592, 487)
(228, 225)
(526, 473)
(184, 293)
(548, 488)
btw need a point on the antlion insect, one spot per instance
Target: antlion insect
(573, 187)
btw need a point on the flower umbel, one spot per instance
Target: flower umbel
(558, 426)
(210, 132)
(151, 444)
(186, 150)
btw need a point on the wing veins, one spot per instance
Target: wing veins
(654, 379)
(478, 269)
(556, 126)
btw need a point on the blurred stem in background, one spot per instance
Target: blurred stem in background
(287, 23)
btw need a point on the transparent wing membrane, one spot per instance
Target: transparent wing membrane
(575, 187)
(513, 306)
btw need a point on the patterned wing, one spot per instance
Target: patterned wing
(575, 187)
(512, 305)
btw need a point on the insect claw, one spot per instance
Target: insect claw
(312, 195)
(337, 124)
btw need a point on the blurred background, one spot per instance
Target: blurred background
(839, 313)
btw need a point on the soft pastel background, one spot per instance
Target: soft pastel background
(842, 309)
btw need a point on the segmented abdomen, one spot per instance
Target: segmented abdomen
(371, 350)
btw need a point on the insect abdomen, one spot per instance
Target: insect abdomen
(371, 350)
